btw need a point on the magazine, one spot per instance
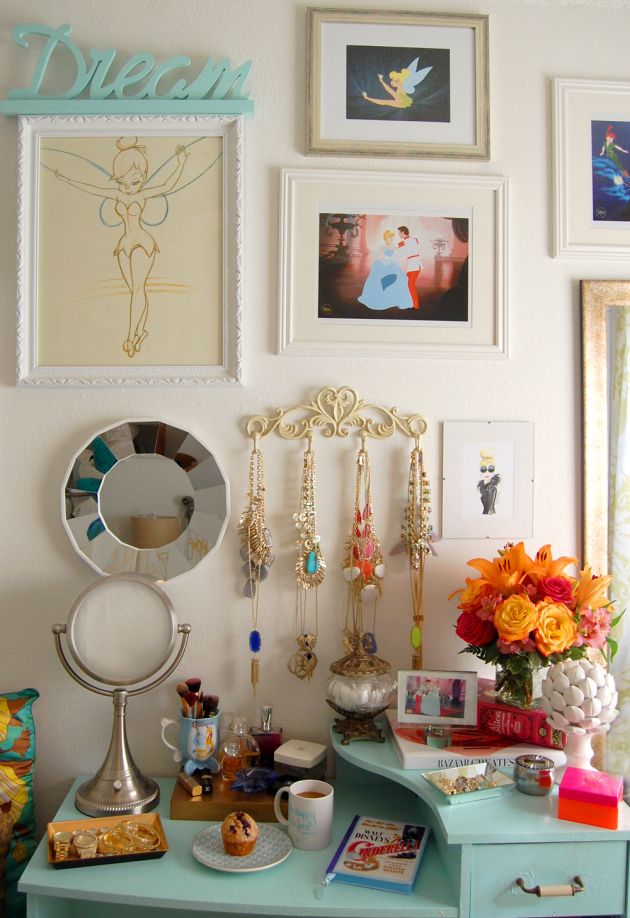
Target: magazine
(379, 853)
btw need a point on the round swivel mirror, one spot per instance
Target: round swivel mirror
(120, 640)
(145, 497)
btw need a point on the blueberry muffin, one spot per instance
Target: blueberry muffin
(239, 833)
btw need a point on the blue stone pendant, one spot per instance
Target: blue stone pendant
(255, 641)
(312, 563)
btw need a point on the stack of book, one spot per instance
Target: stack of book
(468, 746)
(527, 725)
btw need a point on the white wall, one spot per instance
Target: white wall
(530, 43)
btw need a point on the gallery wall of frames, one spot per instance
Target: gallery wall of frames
(401, 211)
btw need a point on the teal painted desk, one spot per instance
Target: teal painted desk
(475, 854)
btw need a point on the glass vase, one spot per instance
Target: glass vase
(522, 689)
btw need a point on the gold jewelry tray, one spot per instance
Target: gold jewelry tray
(95, 823)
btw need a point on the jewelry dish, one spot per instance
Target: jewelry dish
(149, 827)
(469, 782)
(272, 847)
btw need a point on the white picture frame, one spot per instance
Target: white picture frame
(356, 107)
(308, 325)
(437, 697)
(79, 319)
(475, 504)
(590, 190)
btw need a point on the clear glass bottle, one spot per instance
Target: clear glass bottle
(239, 750)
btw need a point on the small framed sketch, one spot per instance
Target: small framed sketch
(488, 479)
(398, 84)
(592, 168)
(435, 697)
(129, 257)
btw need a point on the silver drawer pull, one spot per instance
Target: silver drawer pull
(568, 889)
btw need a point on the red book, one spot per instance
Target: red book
(528, 725)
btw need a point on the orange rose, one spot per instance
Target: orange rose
(556, 630)
(515, 617)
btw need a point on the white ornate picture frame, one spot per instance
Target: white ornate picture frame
(130, 250)
(437, 697)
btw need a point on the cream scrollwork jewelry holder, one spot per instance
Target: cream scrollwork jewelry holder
(340, 412)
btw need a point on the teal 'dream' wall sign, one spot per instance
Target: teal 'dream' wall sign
(137, 86)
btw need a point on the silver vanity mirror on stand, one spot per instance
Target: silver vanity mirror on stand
(121, 640)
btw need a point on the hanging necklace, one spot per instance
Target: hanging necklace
(416, 535)
(255, 551)
(363, 566)
(310, 570)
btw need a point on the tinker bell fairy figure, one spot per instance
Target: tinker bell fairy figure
(401, 86)
(136, 248)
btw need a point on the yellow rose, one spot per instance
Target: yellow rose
(556, 630)
(515, 617)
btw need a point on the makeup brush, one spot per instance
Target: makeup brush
(182, 688)
(210, 705)
(194, 685)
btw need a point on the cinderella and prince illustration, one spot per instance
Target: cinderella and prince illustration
(395, 269)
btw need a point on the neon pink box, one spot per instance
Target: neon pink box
(591, 787)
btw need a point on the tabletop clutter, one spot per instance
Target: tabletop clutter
(246, 779)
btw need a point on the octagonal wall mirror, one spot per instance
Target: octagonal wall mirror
(145, 497)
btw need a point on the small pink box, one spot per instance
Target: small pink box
(591, 797)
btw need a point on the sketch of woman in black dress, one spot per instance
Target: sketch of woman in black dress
(489, 482)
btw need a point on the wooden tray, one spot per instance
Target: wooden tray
(93, 824)
(222, 801)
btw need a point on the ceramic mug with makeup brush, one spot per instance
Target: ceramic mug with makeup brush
(198, 741)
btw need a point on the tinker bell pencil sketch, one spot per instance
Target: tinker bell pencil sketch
(401, 86)
(128, 193)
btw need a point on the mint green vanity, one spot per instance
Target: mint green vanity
(476, 853)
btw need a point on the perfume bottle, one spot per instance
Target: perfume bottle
(239, 750)
(267, 737)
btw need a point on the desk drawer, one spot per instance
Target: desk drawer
(600, 865)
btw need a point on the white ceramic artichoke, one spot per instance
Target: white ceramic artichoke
(579, 696)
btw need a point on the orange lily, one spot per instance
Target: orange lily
(591, 591)
(506, 572)
(546, 566)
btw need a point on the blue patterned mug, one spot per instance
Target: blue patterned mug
(198, 741)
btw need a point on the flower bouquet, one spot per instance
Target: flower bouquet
(522, 614)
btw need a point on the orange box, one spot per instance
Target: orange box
(591, 797)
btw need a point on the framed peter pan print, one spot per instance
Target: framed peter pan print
(398, 84)
(129, 267)
(592, 168)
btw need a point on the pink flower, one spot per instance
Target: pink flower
(594, 627)
(526, 646)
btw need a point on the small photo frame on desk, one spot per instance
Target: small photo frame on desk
(437, 697)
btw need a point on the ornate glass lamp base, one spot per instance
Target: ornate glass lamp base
(353, 726)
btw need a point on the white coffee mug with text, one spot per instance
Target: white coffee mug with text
(310, 813)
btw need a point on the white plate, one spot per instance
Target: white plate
(272, 847)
